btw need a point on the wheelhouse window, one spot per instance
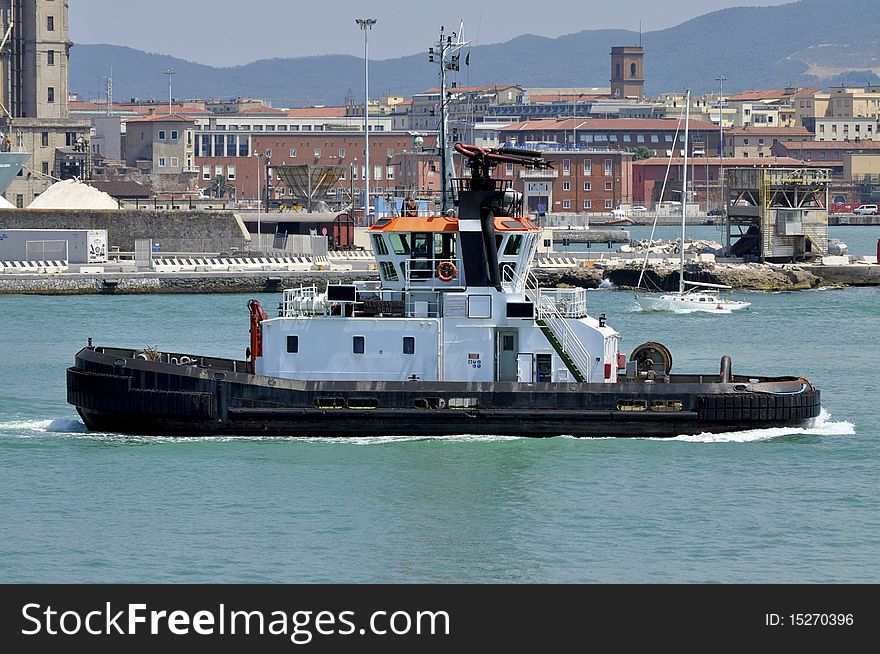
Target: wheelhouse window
(409, 345)
(386, 269)
(514, 245)
(358, 345)
(293, 344)
(379, 245)
(400, 243)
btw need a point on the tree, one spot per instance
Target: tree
(642, 152)
(220, 187)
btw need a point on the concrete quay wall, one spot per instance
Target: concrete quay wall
(740, 277)
(152, 283)
(175, 231)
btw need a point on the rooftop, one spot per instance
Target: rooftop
(607, 125)
(769, 94)
(162, 118)
(763, 131)
(830, 145)
(729, 162)
(317, 112)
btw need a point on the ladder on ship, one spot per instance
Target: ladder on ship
(559, 332)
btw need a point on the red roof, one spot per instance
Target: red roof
(768, 94)
(563, 97)
(162, 118)
(490, 87)
(776, 131)
(748, 162)
(830, 145)
(317, 112)
(263, 110)
(607, 125)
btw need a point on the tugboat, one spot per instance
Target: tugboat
(456, 337)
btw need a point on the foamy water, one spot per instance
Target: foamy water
(821, 426)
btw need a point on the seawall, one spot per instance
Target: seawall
(175, 231)
(151, 283)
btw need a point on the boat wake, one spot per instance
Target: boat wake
(34, 427)
(821, 426)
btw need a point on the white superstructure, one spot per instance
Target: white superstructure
(424, 320)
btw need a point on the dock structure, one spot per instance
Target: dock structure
(590, 236)
(777, 214)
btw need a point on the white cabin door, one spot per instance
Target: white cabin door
(507, 349)
(525, 368)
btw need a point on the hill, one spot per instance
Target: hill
(807, 43)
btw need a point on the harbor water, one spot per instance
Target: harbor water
(782, 505)
(861, 240)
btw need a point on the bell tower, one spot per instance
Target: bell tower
(628, 72)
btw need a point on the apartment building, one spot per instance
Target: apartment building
(756, 142)
(34, 88)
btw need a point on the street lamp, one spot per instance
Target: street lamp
(721, 199)
(257, 155)
(170, 72)
(366, 24)
(720, 79)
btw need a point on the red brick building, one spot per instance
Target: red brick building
(581, 181)
(396, 161)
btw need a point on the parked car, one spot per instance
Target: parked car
(638, 208)
(718, 211)
(866, 210)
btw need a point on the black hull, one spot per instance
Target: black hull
(115, 392)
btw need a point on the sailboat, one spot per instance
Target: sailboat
(691, 296)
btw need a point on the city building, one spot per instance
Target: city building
(34, 89)
(580, 181)
(400, 162)
(628, 72)
(658, 135)
(836, 102)
(831, 154)
(162, 146)
(757, 142)
(847, 129)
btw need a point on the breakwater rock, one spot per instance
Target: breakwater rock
(756, 277)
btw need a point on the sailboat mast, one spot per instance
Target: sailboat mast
(684, 187)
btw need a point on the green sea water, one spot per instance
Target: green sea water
(784, 505)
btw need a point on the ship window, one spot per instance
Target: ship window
(409, 345)
(357, 345)
(667, 405)
(363, 403)
(422, 246)
(514, 245)
(400, 243)
(379, 245)
(389, 274)
(293, 344)
(329, 403)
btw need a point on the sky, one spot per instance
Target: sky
(231, 32)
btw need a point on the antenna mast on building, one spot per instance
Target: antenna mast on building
(445, 53)
(109, 89)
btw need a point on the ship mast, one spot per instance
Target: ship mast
(446, 53)
(684, 187)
